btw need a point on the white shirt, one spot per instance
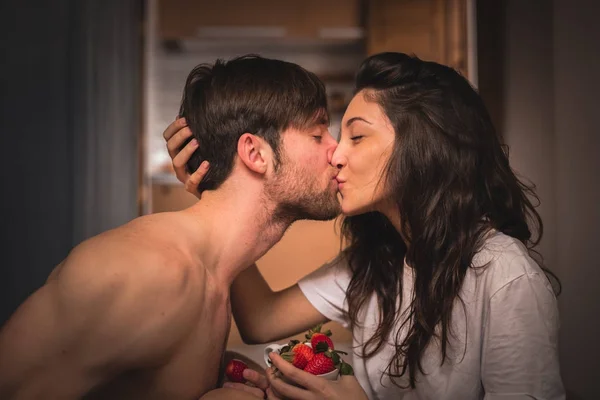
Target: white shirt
(509, 324)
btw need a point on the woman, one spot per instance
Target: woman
(437, 282)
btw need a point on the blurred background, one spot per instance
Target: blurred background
(87, 88)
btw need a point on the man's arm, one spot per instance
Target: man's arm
(34, 347)
(75, 332)
(263, 316)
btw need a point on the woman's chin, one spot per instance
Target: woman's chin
(350, 210)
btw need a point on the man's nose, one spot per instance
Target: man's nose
(337, 158)
(332, 146)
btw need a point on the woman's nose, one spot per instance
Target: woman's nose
(338, 159)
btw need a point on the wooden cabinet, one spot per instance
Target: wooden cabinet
(179, 19)
(434, 30)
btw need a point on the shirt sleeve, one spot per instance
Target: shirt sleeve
(520, 347)
(326, 288)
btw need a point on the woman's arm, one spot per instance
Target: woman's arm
(263, 316)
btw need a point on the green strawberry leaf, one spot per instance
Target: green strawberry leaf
(336, 358)
(321, 347)
(312, 331)
(346, 369)
(288, 347)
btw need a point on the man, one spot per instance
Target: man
(143, 311)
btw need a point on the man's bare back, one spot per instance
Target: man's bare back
(130, 313)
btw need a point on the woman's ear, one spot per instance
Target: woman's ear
(254, 152)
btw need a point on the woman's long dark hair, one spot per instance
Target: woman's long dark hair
(450, 178)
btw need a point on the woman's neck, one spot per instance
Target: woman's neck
(393, 215)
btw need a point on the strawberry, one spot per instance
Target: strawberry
(321, 363)
(316, 336)
(316, 329)
(234, 371)
(320, 338)
(305, 350)
(300, 355)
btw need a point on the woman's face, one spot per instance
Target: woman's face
(366, 143)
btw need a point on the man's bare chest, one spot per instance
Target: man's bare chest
(191, 370)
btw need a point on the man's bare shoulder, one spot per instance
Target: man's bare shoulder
(121, 301)
(144, 251)
(130, 267)
(131, 285)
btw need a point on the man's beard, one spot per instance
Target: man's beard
(298, 196)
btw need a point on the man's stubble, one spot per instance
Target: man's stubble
(298, 195)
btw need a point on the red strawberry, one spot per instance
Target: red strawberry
(305, 350)
(234, 371)
(300, 355)
(320, 337)
(321, 363)
(316, 336)
(302, 348)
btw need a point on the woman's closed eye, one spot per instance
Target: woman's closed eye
(356, 138)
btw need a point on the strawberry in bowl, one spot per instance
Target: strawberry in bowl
(316, 356)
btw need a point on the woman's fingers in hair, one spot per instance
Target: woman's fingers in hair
(175, 142)
(192, 182)
(181, 158)
(174, 127)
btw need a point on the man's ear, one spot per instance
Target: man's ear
(254, 152)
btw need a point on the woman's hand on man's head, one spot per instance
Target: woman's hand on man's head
(176, 135)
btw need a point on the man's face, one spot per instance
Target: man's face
(304, 185)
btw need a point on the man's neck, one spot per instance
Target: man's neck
(236, 228)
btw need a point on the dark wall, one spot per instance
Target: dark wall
(70, 84)
(35, 153)
(539, 63)
(491, 45)
(577, 154)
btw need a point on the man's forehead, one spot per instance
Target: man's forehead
(318, 122)
(306, 130)
(322, 118)
(322, 121)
